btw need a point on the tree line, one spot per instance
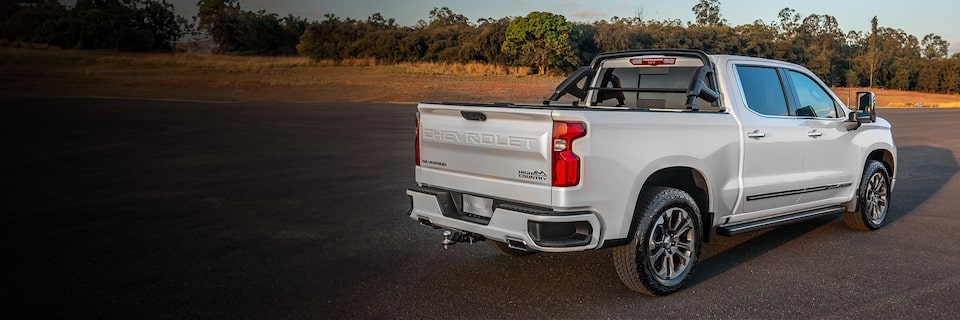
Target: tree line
(131, 25)
(882, 57)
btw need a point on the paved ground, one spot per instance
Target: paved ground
(139, 209)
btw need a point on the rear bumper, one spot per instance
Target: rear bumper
(541, 230)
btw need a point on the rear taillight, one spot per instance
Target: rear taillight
(416, 145)
(566, 164)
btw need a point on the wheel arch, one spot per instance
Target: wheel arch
(688, 179)
(885, 157)
(882, 155)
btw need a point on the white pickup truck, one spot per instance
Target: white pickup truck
(657, 151)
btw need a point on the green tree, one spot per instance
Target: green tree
(667, 34)
(851, 79)
(789, 21)
(934, 47)
(222, 20)
(22, 23)
(950, 83)
(819, 44)
(239, 31)
(616, 35)
(588, 48)
(136, 25)
(100, 23)
(756, 39)
(789, 45)
(445, 17)
(543, 40)
(382, 40)
(159, 20)
(449, 36)
(331, 38)
(928, 77)
(386, 45)
(713, 39)
(489, 40)
(896, 52)
(708, 13)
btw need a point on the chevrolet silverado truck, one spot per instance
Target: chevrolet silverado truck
(652, 153)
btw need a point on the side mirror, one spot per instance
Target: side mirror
(866, 107)
(866, 111)
(852, 122)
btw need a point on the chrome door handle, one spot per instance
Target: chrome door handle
(814, 133)
(756, 134)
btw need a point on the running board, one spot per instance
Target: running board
(736, 229)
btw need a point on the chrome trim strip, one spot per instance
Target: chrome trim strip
(797, 191)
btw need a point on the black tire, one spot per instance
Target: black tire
(503, 249)
(666, 246)
(873, 199)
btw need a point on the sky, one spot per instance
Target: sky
(916, 17)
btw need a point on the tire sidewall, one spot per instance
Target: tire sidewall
(872, 168)
(664, 201)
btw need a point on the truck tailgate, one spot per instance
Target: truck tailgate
(494, 152)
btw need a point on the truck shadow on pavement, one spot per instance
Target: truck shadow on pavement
(921, 173)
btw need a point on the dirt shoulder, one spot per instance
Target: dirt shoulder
(293, 79)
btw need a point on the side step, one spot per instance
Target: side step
(736, 229)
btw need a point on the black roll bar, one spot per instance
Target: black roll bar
(698, 87)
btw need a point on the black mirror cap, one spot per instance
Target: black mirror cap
(853, 121)
(866, 107)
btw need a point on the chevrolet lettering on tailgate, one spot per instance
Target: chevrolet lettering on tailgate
(652, 153)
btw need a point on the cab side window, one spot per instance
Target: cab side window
(763, 90)
(814, 101)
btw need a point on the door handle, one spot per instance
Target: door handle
(756, 134)
(814, 133)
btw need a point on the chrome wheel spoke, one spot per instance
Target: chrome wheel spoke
(656, 256)
(686, 227)
(685, 257)
(671, 269)
(671, 244)
(876, 202)
(682, 220)
(664, 270)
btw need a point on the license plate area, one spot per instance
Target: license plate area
(478, 205)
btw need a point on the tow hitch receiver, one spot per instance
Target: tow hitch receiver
(453, 237)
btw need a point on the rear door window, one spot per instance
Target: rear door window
(763, 90)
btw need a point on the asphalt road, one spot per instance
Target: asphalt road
(151, 209)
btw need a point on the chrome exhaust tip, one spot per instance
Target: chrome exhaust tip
(426, 222)
(517, 244)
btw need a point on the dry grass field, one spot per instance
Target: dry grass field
(294, 79)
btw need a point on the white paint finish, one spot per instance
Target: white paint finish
(624, 147)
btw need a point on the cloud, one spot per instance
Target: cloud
(587, 14)
(566, 4)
